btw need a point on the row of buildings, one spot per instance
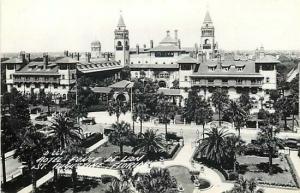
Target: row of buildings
(203, 67)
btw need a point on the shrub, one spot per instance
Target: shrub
(173, 136)
(292, 170)
(233, 176)
(260, 190)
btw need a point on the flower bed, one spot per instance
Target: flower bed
(91, 140)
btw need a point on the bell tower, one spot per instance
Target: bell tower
(122, 43)
(208, 45)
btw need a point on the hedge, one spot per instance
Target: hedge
(295, 176)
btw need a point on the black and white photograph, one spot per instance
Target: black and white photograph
(150, 96)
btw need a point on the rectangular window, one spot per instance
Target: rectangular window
(185, 78)
(63, 77)
(46, 86)
(55, 86)
(10, 76)
(63, 67)
(10, 66)
(267, 80)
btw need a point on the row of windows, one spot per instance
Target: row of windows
(39, 86)
(225, 68)
(146, 62)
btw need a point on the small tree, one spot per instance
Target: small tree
(220, 99)
(284, 106)
(117, 107)
(267, 137)
(203, 114)
(120, 135)
(165, 111)
(237, 115)
(140, 113)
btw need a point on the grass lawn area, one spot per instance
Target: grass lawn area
(183, 177)
(257, 167)
(106, 151)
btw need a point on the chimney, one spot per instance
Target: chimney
(45, 60)
(66, 53)
(151, 43)
(72, 55)
(88, 56)
(168, 33)
(137, 49)
(145, 46)
(28, 57)
(78, 56)
(22, 56)
(179, 44)
(176, 34)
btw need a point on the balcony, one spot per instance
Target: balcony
(34, 80)
(230, 83)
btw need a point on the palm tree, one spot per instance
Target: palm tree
(117, 186)
(237, 115)
(150, 144)
(234, 147)
(65, 130)
(213, 147)
(220, 100)
(140, 113)
(165, 111)
(243, 185)
(158, 180)
(117, 107)
(267, 137)
(31, 148)
(120, 135)
(284, 105)
(203, 114)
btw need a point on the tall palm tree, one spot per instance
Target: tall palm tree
(165, 111)
(267, 137)
(140, 113)
(120, 135)
(220, 99)
(65, 130)
(31, 148)
(213, 147)
(203, 114)
(150, 144)
(237, 115)
(117, 107)
(234, 147)
(117, 186)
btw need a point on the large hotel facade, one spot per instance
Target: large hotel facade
(203, 66)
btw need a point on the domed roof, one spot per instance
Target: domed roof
(168, 39)
(96, 42)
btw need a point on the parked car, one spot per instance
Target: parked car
(89, 121)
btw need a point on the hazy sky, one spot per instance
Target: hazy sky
(57, 25)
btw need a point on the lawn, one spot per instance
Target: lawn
(257, 167)
(183, 177)
(105, 151)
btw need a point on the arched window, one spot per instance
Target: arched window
(119, 43)
(206, 41)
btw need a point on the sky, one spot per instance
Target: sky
(57, 25)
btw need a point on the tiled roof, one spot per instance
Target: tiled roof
(165, 48)
(13, 61)
(154, 66)
(187, 60)
(267, 59)
(101, 89)
(169, 92)
(122, 84)
(248, 70)
(97, 65)
(37, 68)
